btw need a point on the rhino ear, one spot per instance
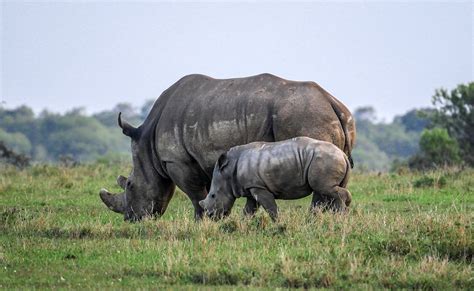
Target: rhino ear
(222, 161)
(127, 129)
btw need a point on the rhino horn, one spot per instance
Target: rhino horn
(114, 202)
(126, 127)
(122, 181)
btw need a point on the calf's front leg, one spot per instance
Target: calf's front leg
(267, 200)
(250, 207)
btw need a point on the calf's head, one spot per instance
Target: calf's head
(220, 199)
(145, 192)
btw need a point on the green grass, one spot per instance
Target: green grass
(399, 233)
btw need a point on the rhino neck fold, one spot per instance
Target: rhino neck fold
(158, 189)
(149, 156)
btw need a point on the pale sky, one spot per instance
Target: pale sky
(95, 54)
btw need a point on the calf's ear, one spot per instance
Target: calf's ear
(222, 161)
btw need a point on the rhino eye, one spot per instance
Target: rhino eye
(129, 184)
(213, 196)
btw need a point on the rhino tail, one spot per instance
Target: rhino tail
(348, 170)
(343, 121)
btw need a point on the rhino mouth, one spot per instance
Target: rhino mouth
(215, 214)
(131, 217)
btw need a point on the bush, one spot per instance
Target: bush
(437, 149)
(426, 181)
(455, 112)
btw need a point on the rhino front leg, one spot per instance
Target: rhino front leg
(250, 207)
(186, 178)
(198, 210)
(267, 200)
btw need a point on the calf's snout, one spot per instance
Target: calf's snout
(202, 204)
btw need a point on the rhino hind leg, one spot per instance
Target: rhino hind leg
(251, 206)
(196, 196)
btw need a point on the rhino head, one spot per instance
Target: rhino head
(145, 192)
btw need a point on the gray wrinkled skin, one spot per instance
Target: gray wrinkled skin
(198, 118)
(290, 169)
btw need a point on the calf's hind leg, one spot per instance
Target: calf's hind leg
(320, 201)
(347, 195)
(337, 198)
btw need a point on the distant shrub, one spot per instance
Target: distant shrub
(113, 158)
(399, 166)
(437, 149)
(67, 161)
(423, 182)
(11, 157)
(427, 181)
(455, 112)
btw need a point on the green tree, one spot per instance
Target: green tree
(437, 149)
(454, 111)
(82, 137)
(368, 156)
(16, 141)
(365, 113)
(415, 120)
(20, 119)
(109, 117)
(379, 143)
(51, 135)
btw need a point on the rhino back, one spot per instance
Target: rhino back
(204, 117)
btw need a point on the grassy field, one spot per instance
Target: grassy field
(403, 231)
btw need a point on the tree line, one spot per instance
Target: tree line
(421, 138)
(48, 137)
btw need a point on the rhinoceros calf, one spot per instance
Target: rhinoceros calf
(290, 169)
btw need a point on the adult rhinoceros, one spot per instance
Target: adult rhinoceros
(198, 118)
